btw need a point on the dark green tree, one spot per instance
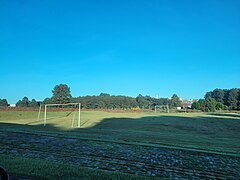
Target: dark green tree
(238, 99)
(202, 104)
(210, 105)
(232, 98)
(33, 103)
(150, 102)
(61, 94)
(105, 95)
(196, 105)
(220, 106)
(47, 101)
(175, 101)
(23, 103)
(143, 101)
(228, 97)
(208, 95)
(3, 103)
(218, 95)
(162, 101)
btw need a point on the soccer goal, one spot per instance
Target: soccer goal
(161, 108)
(75, 107)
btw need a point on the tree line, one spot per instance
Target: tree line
(106, 101)
(219, 99)
(61, 94)
(25, 102)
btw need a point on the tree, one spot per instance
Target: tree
(232, 99)
(220, 106)
(149, 102)
(23, 103)
(210, 105)
(228, 97)
(202, 104)
(61, 94)
(105, 95)
(239, 99)
(3, 103)
(143, 101)
(218, 95)
(162, 101)
(47, 101)
(175, 101)
(208, 95)
(226, 93)
(196, 105)
(33, 103)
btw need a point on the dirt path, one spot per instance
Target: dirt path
(132, 159)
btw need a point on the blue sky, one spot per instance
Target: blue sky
(126, 47)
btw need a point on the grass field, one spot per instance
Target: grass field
(198, 132)
(216, 132)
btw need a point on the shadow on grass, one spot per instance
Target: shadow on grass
(207, 132)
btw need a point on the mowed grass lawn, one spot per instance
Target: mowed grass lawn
(218, 133)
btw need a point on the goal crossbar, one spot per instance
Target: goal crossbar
(47, 105)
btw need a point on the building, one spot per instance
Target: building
(187, 103)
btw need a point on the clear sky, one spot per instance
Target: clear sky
(121, 47)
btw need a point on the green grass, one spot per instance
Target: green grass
(40, 169)
(210, 132)
(213, 133)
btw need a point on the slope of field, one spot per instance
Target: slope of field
(154, 145)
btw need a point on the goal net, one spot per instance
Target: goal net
(161, 108)
(69, 111)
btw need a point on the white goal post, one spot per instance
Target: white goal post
(48, 105)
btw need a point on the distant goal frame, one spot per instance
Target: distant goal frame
(166, 107)
(48, 105)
